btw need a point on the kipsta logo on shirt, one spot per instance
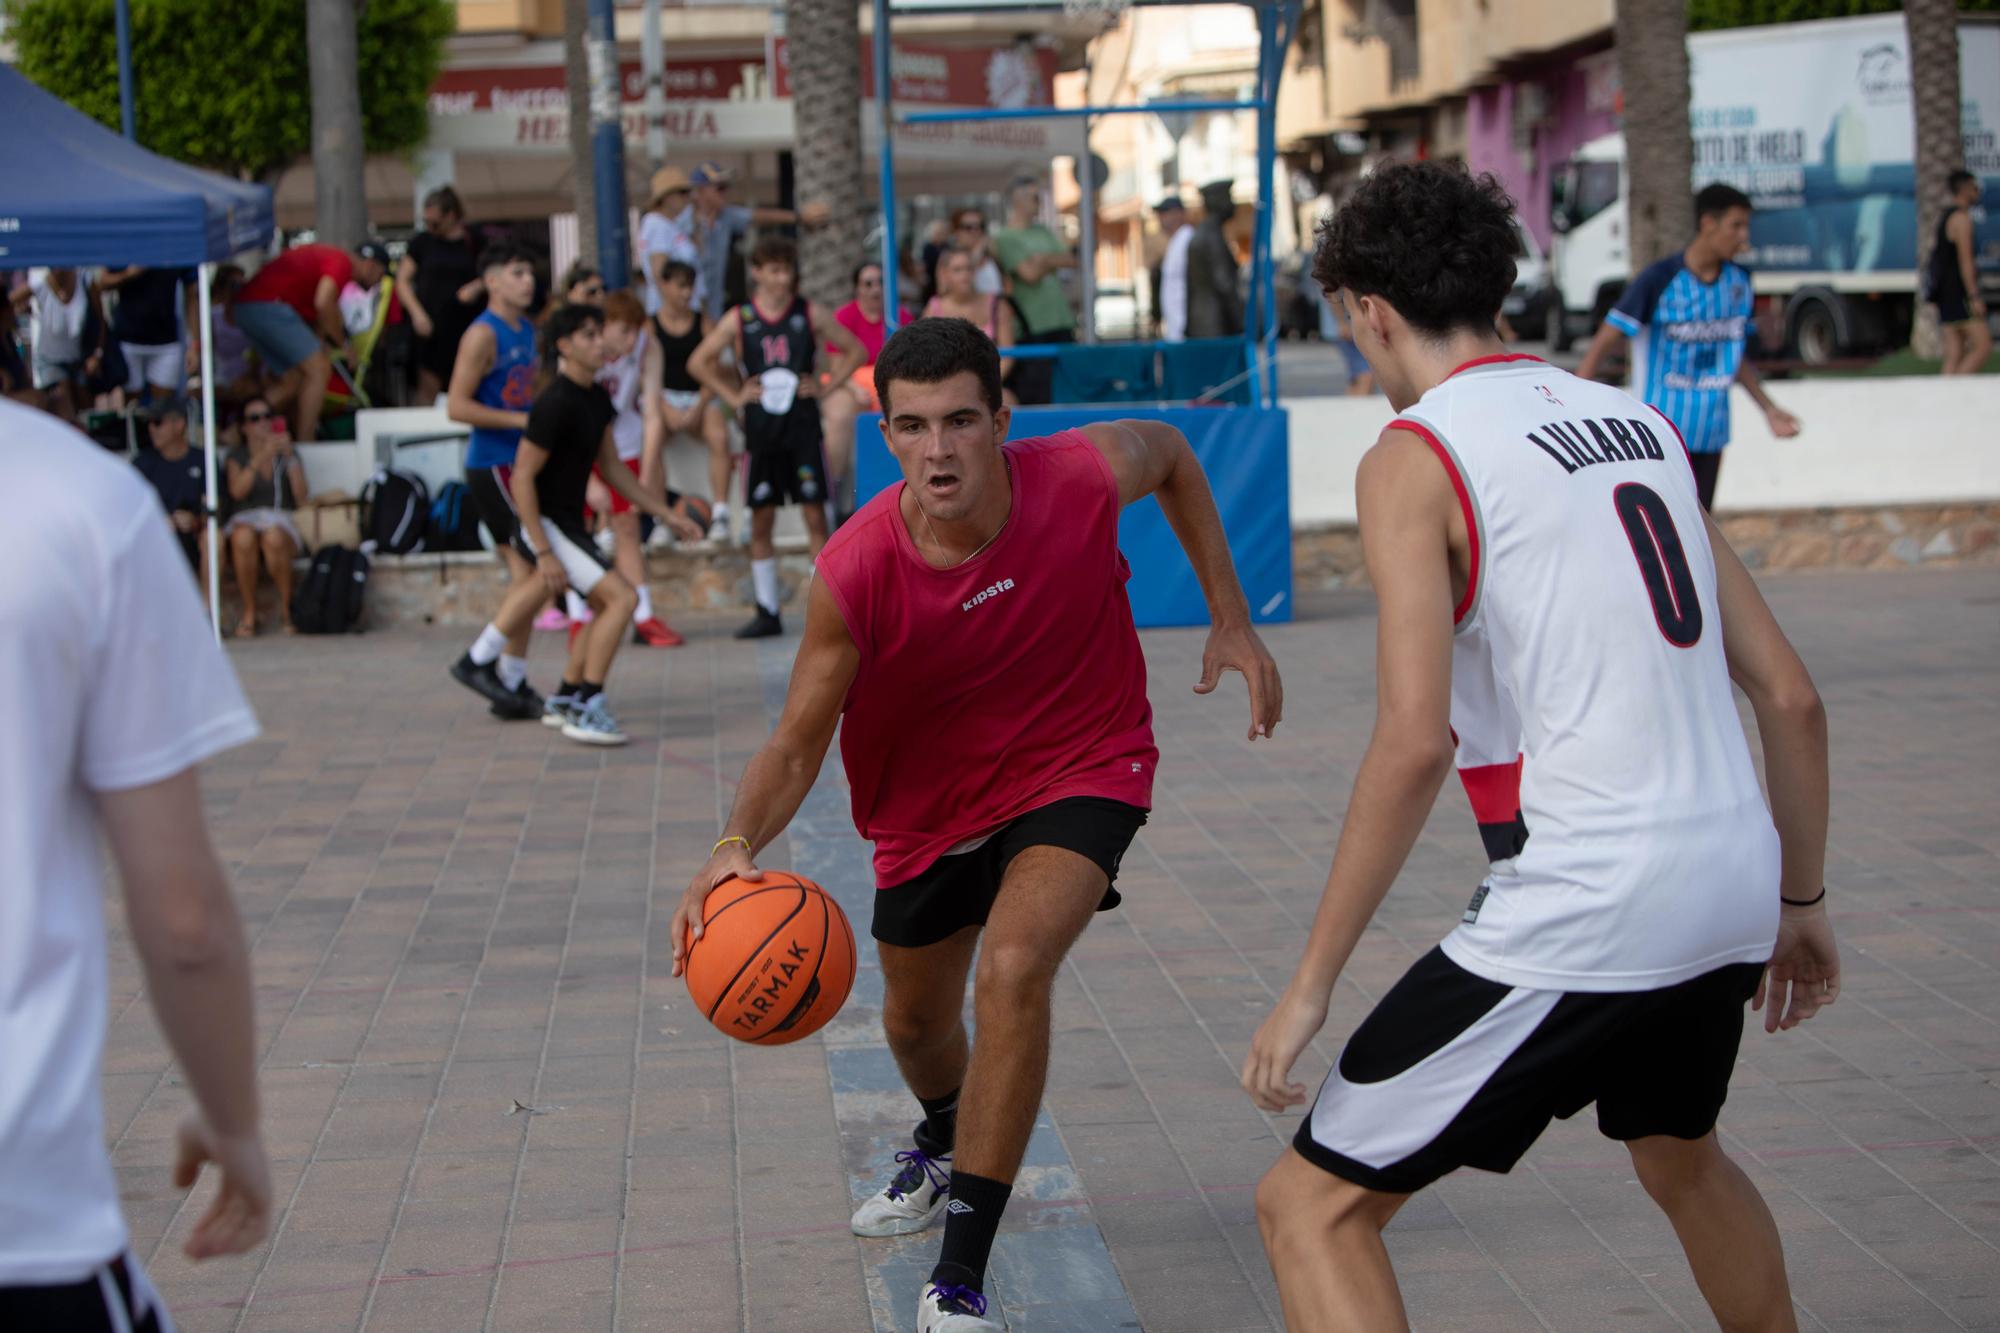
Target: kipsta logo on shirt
(983, 594)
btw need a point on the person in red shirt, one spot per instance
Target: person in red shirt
(290, 312)
(970, 635)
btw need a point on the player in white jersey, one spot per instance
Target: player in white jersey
(1557, 616)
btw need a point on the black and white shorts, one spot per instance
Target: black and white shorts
(787, 461)
(1454, 1070)
(583, 564)
(117, 1298)
(493, 500)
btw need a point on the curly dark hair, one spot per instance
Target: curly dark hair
(931, 351)
(775, 250)
(1434, 241)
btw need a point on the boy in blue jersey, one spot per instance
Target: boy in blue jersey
(492, 386)
(1689, 318)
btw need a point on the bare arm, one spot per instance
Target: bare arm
(1408, 516)
(241, 477)
(706, 363)
(1783, 424)
(1152, 458)
(475, 357)
(189, 939)
(406, 291)
(783, 770)
(326, 304)
(652, 412)
(1609, 338)
(619, 478)
(852, 355)
(1959, 232)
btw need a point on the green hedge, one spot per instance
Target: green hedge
(227, 85)
(1706, 14)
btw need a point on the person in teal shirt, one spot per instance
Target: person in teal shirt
(1033, 258)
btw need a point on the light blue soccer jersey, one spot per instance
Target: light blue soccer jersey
(1688, 338)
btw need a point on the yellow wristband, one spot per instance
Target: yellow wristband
(720, 843)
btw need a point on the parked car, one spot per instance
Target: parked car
(1527, 304)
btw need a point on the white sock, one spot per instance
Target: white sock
(513, 670)
(764, 578)
(486, 648)
(721, 511)
(645, 602)
(578, 608)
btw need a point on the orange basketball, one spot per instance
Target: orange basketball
(775, 960)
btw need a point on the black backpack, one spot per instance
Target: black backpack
(396, 511)
(454, 524)
(330, 599)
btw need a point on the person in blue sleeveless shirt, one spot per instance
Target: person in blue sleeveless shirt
(492, 386)
(1689, 318)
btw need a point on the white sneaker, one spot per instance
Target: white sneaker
(607, 540)
(910, 1202)
(954, 1310)
(718, 527)
(591, 723)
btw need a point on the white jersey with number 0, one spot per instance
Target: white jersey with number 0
(1597, 734)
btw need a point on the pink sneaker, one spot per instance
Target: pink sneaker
(551, 618)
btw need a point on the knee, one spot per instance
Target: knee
(616, 594)
(243, 541)
(318, 368)
(910, 1026)
(1014, 976)
(1673, 1170)
(1296, 1201)
(276, 544)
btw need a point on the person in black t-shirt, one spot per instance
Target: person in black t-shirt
(179, 473)
(569, 431)
(147, 325)
(438, 282)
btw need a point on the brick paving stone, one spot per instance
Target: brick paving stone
(449, 916)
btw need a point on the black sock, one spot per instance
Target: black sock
(568, 688)
(585, 692)
(970, 1222)
(938, 1130)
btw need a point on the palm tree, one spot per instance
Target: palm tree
(825, 38)
(1940, 143)
(1659, 147)
(576, 77)
(340, 192)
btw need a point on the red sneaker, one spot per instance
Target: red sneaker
(656, 633)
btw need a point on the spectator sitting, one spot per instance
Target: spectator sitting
(179, 474)
(959, 298)
(865, 318)
(147, 325)
(266, 482)
(664, 232)
(438, 283)
(1033, 258)
(290, 311)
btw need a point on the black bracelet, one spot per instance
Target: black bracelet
(1803, 902)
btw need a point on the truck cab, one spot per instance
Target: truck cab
(1589, 263)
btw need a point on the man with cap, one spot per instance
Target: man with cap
(1214, 293)
(1171, 295)
(178, 473)
(290, 312)
(719, 224)
(665, 233)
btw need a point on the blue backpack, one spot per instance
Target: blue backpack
(454, 525)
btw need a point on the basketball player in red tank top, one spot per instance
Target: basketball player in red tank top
(972, 624)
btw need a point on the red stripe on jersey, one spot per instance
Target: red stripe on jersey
(1494, 790)
(1498, 358)
(1686, 452)
(1464, 505)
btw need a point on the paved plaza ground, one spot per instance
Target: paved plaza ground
(489, 1105)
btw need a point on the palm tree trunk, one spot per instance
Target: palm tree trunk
(340, 191)
(825, 38)
(1659, 147)
(576, 76)
(1934, 95)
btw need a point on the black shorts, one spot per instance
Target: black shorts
(117, 1298)
(487, 487)
(1454, 1070)
(786, 460)
(958, 891)
(1953, 308)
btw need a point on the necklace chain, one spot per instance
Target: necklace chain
(975, 550)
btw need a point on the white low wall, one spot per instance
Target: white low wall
(1877, 441)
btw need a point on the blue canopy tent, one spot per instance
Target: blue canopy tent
(78, 194)
(1242, 448)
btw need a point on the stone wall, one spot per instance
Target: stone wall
(1898, 537)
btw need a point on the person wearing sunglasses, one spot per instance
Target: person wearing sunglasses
(266, 482)
(582, 285)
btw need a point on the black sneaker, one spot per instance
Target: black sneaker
(764, 625)
(523, 705)
(482, 680)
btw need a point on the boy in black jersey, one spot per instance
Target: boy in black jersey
(777, 335)
(569, 430)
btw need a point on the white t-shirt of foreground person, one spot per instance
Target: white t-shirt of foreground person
(112, 690)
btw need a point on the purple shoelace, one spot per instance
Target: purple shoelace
(916, 1165)
(966, 1299)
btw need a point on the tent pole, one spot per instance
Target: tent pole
(206, 279)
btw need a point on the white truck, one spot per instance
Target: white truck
(1813, 122)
